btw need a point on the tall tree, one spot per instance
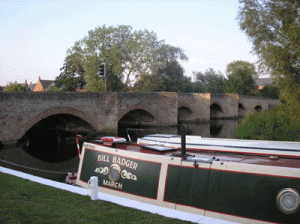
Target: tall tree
(131, 53)
(149, 83)
(273, 27)
(241, 75)
(72, 74)
(211, 81)
(173, 77)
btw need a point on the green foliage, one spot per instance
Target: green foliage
(274, 29)
(275, 124)
(23, 201)
(210, 81)
(15, 87)
(269, 91)
(132, 53)
(72, 74)
(173, 77)
(241, 76)
(53, 89)
(149, 83)
(93, 82)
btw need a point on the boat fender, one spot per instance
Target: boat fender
(113, 139)
(77, 143)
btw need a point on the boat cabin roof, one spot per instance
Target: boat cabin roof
(205, 155)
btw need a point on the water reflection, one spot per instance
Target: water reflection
(212, 129)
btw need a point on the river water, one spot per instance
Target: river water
(15, 157)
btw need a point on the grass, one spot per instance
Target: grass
(23, 201)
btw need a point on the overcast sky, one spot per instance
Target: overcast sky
(35, 35)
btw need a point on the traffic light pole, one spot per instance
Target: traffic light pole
(105, 83)
(102, 73)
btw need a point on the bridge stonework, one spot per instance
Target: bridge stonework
(21, 111)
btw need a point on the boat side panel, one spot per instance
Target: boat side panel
(186, 186)
(249, 194)
(137, 177)
(172, 183)
(150, 173)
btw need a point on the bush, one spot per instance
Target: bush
(276, 124)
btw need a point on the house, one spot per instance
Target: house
(31, 86)
(42, 85)
(262, 82)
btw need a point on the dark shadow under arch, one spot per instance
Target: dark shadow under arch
(215, 110)
(258, 108)
(52, 139)
(241, 110)
(136, 118)
(184, 113)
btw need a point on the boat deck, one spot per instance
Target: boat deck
(207, 155)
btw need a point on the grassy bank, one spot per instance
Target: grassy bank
(23, 201)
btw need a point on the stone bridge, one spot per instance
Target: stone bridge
(105, 112)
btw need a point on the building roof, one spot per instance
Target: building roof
(31, 86)
(264, 81)
(47, 83)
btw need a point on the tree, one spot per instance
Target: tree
(15, 87)
(149, 83)
(173, 77)
(273, 27)
(72, 74)
(131, 53)
(211, 81)
(270, 91)
(240, 76)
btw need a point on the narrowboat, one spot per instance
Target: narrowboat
(234, 180)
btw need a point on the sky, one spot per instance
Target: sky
(35, 35)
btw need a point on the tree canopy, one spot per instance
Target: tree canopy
(15, 87)
(210, 81)
(273, 27)
(132, 53)
(241, 75)
(72, 74)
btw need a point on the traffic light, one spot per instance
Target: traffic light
(102, 71)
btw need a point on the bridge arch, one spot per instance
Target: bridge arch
(241, 110)
(184, 113)
(50, 136)
(137, 115)
(59, 110)
(258, 108)
(216, 110)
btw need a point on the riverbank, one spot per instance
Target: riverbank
(23, 201)
(37, 203)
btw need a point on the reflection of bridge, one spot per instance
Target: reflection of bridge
(22, 112)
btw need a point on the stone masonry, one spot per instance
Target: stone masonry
(21, 111)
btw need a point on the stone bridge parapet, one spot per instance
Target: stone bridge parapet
(21, 111)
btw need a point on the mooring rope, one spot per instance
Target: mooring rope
(31, 168)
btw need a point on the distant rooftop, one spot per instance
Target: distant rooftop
(264, 81)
